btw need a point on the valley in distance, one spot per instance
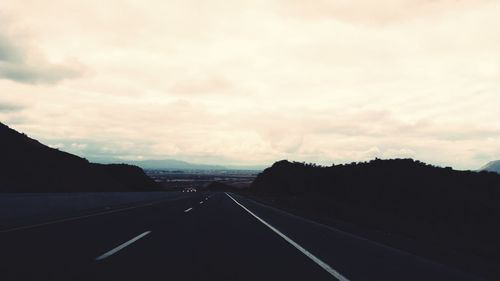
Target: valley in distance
(177, 175)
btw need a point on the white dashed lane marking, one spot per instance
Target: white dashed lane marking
(115, 250)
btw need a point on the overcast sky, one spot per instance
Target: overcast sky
(251, 82)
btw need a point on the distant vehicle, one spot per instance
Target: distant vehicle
(189, 189)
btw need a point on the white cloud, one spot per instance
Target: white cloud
(257, 81)
(21, 62)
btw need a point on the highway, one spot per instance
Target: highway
(202, 236)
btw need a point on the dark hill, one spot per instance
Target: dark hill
(26, 165)
(456, 210)
(493, 166)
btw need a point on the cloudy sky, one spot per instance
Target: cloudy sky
(251, 82)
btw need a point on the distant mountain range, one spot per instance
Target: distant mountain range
(493, 166)
(26, 165)
(172, 164)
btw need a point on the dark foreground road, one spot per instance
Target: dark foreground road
(202, 236)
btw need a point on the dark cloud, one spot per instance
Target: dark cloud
(32, 73)
(9, 52)
(18, 64)
(7, 107)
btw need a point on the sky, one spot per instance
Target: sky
(252, 82)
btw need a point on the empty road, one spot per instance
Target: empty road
(201, 236)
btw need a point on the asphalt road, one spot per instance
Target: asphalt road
(202, 236)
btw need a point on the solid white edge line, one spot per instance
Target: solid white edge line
(113, 251)
(321, 263)
(187, 210)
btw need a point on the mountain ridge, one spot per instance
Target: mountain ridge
(174, 164)
(492, 166)
(456, 211)
(30, 166)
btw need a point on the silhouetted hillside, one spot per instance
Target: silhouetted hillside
(459, 210)
(26, 165)
(493, 166)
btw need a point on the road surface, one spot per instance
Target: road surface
(202, 236)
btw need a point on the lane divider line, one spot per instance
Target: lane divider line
(187, 210)
(201, 202)
(319, 262)
(115, 250)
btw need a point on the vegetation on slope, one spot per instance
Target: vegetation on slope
(459, 210)
(26, 165)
